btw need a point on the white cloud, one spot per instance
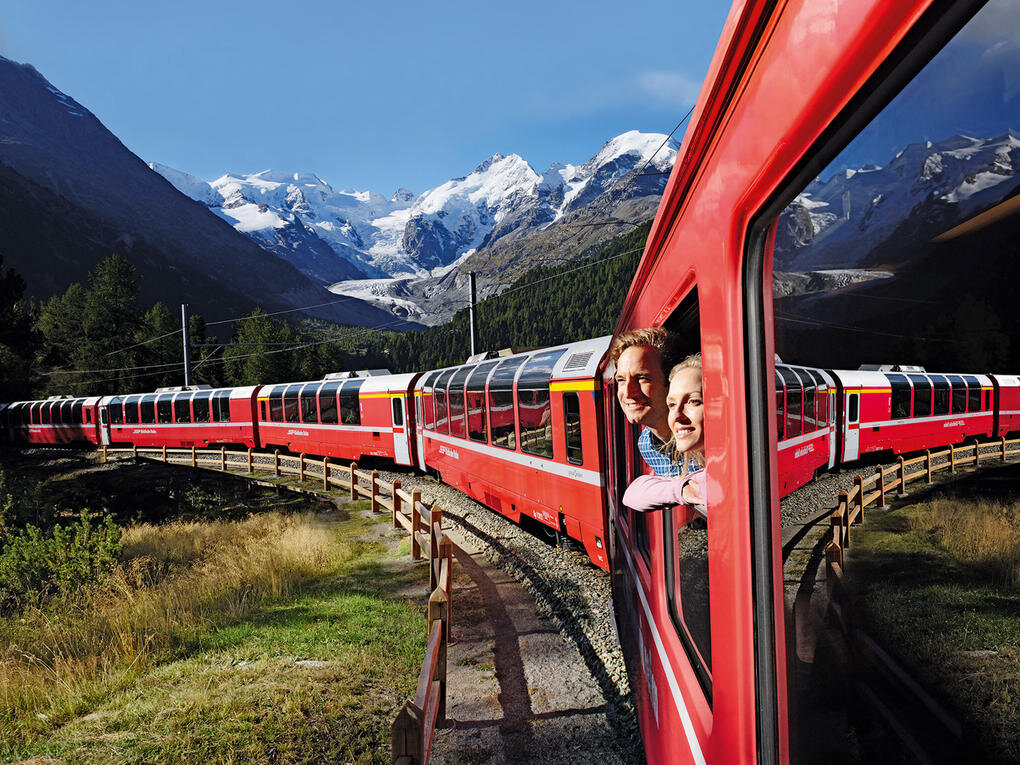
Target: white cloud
(674, 88)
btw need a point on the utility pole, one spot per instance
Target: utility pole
(187, 345)
(471, 312)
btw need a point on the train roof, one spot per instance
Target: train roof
(580, 359)
(881, 379)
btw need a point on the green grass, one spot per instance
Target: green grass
(951, 618)
(237, 692)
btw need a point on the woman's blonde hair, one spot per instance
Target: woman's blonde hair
(691, 362)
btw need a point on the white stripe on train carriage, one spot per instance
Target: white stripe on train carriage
(921, 420)
(591, 477)
(327, 428)
(132, 425)
(811, 435)
(674, 686)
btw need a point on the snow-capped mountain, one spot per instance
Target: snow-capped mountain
(850, 219)
(406, 236)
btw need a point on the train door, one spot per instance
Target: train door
(104, 425)
(851, 424)
(401, 445)
(832, 428)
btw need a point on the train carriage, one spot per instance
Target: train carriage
(897, 412)
(57, 420)
(179, 417)
(520, 435)
(1006, 404)
(343, 416)
(805, 424)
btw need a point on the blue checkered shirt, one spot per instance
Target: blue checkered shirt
(653, 452)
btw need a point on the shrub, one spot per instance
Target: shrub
(35, 565)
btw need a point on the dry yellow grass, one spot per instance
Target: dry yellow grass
(982, 532)
(176, 581)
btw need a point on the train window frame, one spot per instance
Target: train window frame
(309, 393)
(329, 406)
(147, 409)
(398, 411)
(900, 396)
(164, 409)
(276, 403)
(780, 418)
(973, 393)
(922, 395)
(221, 406)
(428, 401)
(182, 409)
(65, 412)
(798, 414)
(201, 407)
(535, 379)
(76, 411)
(442, 410)
(927, 36)
(350, 401)
(476, 387)
(940, 395)
(958, 400)
(131, 410)
(291, 404)
(572, 409)
(456, 401)
(116, 408)
(502, 382)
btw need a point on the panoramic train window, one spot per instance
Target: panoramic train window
(310, 403)
(534, 409)
(442, 417)
(200, 406)
(350, 402)
(428, 401)
(164, 408)
(455, 398)
(221, 406)
(77, 409)
(502, 430)
(572, 427)
(897, 263)
(276, 403)
(115, 407)
(780, 407)
(182, 408)
(130, 410)
(476, 401)
(147, 409)
(327, 403)
(291, 407)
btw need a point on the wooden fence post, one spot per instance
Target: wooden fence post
(301, 468)
(415, 527)
(952, 459)
(164, 452)
(1003, 441)
(406, 743)
(927, 463)
(396, 503)
(134, 450)
(859, 482)
(375, 491)
(977, 453)
(276, 462)
(833, 554)
(880, 481)
(251, 461)
(223, 458)
(902, 473)
(437, 611)
(844, 508)
(106, 454)
(354, 480)
(194, 456)
(325, 473)
(435, 518)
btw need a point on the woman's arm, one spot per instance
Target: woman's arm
(651, 492)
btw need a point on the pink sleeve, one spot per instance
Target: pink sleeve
(650, 492)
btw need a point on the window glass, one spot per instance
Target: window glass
(76, 413)
(200, 406)
(130, 410)
(922, 395)
(572, 427)
(455, 399)
(147, 409)
(900, 402)
(973, 394)
(941, 385)
(502, 430)
(327, 403)
(780, 407)
(221, 406)
(476, 401)
(291, 407)
(902, 251)
(262, 411)
(428, 401)
(116, 408)
(350, 402)
(809, 407)
(182, 408)
(309, 403)
(398, 412)
(442, 414)
(276, 403)
(959, 400)
(164, 408)
(534, 408)
(794, 401)
(65, 412)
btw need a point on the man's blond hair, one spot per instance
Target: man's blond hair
(659, 338)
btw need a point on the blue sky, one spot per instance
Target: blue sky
(396, 94)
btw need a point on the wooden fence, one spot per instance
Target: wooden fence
(928, 721)
(413, 730)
